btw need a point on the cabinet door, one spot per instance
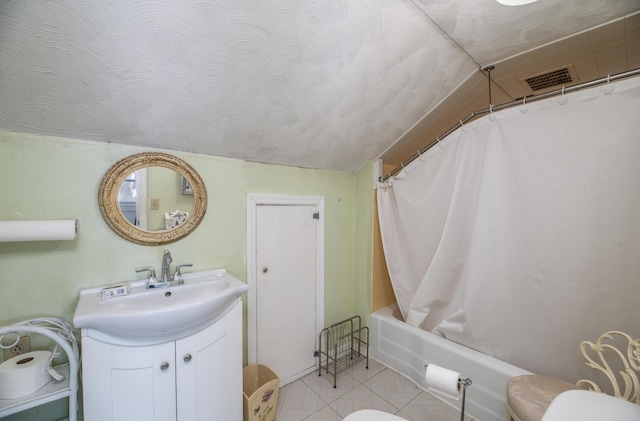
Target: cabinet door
(209, 371)
(128, 383)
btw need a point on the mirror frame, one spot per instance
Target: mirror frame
(113, 216)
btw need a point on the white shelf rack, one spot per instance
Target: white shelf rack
(61, 332)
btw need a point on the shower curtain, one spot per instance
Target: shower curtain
(519, 234)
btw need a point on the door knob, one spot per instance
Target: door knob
(164, 366)
(187, 358)
(265, 269)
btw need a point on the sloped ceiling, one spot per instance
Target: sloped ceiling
(317, 84)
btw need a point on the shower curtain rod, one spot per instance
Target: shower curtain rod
(493, 108)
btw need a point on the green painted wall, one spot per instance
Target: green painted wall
(54, 178)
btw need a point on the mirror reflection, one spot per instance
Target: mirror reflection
(155, 199)
(164, 199)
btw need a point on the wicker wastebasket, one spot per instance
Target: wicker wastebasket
(260, 393)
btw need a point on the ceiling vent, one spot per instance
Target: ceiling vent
(564, 76)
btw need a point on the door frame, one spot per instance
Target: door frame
(253, 201)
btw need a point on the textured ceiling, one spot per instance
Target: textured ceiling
(489, 31)
(318, 84)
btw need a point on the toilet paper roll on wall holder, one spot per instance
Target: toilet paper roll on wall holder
(464, 383)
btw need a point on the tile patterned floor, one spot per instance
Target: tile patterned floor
(313, 398)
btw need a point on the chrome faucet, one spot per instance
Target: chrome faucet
(165, 274)
(177, 277)
(153, 281)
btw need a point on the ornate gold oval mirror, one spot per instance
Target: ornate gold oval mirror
(152, 198)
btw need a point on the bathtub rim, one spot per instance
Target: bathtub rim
(486, 398)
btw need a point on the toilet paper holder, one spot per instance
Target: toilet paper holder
(464, 383)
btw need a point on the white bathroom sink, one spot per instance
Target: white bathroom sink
(160, 312)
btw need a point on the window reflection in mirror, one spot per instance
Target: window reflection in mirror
(128, 197)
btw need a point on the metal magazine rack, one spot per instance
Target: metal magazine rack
(341, 345)
(63, 334)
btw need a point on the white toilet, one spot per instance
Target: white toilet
(372, 415)
(586, 405)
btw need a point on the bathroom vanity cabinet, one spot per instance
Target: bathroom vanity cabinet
(197, 377)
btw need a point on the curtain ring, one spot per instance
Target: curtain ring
(524, 100)
(438, 139)
(419, 152)
(563, 90)
(491, 108)
(461, 123)
(608, 78)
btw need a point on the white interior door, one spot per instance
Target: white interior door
(285, 302)
(286, 288)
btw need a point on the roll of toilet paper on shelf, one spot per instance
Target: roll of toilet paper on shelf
(45, 230)
(443, 380)
(24, 374)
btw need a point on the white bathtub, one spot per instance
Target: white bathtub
(407, 349)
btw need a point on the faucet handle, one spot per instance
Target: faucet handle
(178, 275)
(152, 275)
